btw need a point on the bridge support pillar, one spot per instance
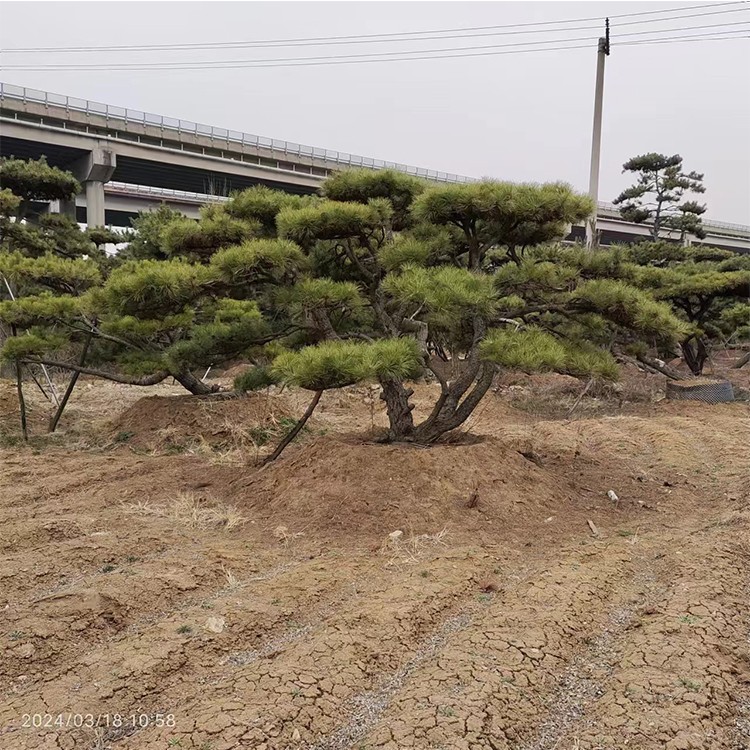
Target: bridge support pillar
(68, 208)
(93, 170)
(94, 203)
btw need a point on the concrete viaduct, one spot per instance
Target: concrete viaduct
(129, 161)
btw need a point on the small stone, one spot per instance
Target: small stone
(396, 535)
(215, 624)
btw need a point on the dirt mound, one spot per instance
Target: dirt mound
(174, 424)
(513, 475)
(360, 492)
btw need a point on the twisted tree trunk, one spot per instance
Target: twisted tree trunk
(695, 354)
(197, 387)
(450, 412)
(399, 410)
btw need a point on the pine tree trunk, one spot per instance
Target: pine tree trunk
(195, 386)
(399, 410)
(695, 356)
(296, 429)
(21, 401)
(451, 413)
(742, 361)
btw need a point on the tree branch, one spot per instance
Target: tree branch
(114, 377)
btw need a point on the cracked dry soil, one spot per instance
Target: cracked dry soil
(514, 629)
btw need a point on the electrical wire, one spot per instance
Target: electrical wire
(435, 54)
(396, 36)
(689, 38)
(668, 40)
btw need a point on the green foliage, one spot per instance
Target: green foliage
(101, 236)
(404, 251)
(362, 185)
(260, 205)
(536, 281)
(735, 319)
(37, 181)
(25, 312)
(49, 272)
(534, 350)
(512, 215)
(319, 294)
(9, 203)
(151, 288)
(202, 239)
(147, 241)
(450, 296)
(657, 193)
(254, 379)
(394, 359)
(335, 364)
(236, 326)
(629, 307)
(34, 344)
(258, 261)
(329, 220)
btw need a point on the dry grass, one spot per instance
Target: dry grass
(233, 582)
(192, 512)
(408, 550)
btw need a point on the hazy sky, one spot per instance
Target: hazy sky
(515, 117)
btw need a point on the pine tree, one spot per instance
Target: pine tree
(657, 193)
(46, 264)
(466, 277)
(708, 288)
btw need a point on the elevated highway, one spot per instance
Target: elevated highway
(129, 161)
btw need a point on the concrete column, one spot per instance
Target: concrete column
(94, 203)
(92, 171)
(67, 208)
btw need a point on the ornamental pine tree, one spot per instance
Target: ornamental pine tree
(375, 279)
(708, 288)
(465, 276)
(166, 318)
(657, 194)
(175, 302)
(46, 264)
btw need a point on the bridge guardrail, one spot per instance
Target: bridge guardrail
(187, 127)
(206, 198)
(708, 224)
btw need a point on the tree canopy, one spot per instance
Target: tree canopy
(376, 279)
(657, 194)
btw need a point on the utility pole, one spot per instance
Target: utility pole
(596, 140)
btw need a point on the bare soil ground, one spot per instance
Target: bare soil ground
(149, 568)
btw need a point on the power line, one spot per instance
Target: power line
(690, 38)
(667, 40)
(252, 45)
(224, 64)
(392, 36)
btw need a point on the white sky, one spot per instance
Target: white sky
(516, 117)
